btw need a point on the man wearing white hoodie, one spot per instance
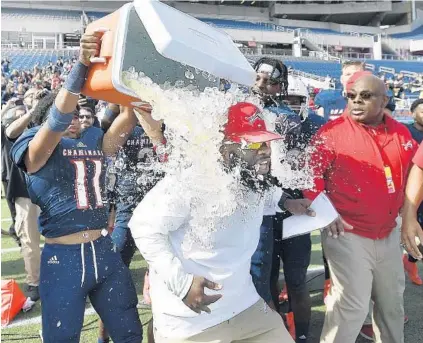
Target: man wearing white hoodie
(205, 293)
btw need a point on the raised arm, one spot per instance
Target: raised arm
(15, 129)
(119, 131)
(152, 127)
(63, 110)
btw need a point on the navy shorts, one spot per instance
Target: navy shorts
(70, 273)
(261, 261)
(295, 254)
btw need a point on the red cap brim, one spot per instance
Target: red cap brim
(254, 137)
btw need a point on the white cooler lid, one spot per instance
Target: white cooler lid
(184, 39)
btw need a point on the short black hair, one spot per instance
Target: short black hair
(88, 109)
(415, 104)
(42, 110)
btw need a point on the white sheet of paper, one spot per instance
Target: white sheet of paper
(300, 225)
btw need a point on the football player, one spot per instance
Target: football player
(65, 177)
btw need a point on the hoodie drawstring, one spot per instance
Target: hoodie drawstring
(95, 262)
(83, 263)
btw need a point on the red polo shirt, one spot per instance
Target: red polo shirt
(350, 162)
(418, 157)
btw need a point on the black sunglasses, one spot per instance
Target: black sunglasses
(363, 95)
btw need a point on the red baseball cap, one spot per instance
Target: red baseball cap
(246, 123)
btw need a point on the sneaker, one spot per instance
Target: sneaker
(291, 324)
(412, 271)
(32, 292)
(283, 296)
(405, 319)
(367, 332)
(326, 290)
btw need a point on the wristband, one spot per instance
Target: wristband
(76, 78)
(58, 121)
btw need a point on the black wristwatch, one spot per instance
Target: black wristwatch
(285, 196)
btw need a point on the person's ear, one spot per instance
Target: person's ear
(385, 101)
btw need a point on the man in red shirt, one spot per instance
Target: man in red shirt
(411, 228)
(361, 161)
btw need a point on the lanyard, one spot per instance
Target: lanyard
(386, 167)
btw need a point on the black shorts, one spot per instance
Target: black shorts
(295, 254)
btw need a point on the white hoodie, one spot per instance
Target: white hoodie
(158, 226)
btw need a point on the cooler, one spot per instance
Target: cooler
(166, 45)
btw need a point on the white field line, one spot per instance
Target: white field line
(37, 320)
(7, 250)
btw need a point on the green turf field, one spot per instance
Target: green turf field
(29, 323)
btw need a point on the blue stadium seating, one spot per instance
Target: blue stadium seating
(246, 25)
(43, 14)
(415, 34)
(333, 69)
(26, 60)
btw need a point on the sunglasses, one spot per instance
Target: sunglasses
(363, 95)
(85, 116)
(254, 146)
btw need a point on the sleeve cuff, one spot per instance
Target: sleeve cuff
(186, 287)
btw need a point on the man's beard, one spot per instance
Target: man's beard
(249, 177)
(266, 99)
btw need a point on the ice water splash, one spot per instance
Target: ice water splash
(194, 122)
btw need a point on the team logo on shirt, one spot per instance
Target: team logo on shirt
(81, 152)
(408, 145)
(53, 260)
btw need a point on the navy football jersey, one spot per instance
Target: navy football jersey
(332, 101)
(416, 134)
(310, 126)
(135, 175)
(69, 187)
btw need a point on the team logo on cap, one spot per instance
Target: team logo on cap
(255, 116)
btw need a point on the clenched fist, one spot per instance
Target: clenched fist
(90, 46)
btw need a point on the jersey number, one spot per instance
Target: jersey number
(81, 188)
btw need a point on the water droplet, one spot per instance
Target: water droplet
(189, 74)
(58, 323)
(179, 83)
